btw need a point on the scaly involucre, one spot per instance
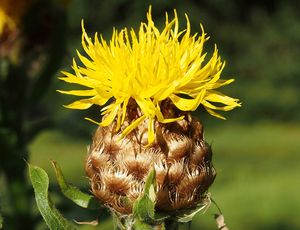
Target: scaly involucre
(149, 67)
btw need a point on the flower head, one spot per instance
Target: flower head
(149, 67)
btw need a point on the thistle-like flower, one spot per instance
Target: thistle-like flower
(148, 82)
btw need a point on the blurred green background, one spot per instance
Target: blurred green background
(256, 151)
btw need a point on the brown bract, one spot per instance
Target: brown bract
(118, 168)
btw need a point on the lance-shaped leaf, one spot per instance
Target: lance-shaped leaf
(51, 215)
(143, 208)
(73, 193)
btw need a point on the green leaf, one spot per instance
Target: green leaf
(51, 215)
(73, 193)
(143, 208)
(139, 225)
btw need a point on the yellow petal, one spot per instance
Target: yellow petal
(124, 107)
(104, 91)
(111, 116)
(220, 83)
(70, 78)
(215, 114)
(90, 92)
(133, 125)
(215, 96)
(187, 104)
(165, 92)
(222, 108)
(151, 135)
(85, 61)
(81, 104)
(93, 121)
(161, 118)
(146, 106)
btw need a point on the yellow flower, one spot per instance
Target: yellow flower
(149, 66)
(11, 12)
(5, 20)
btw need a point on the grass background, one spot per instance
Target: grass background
(257, 167)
